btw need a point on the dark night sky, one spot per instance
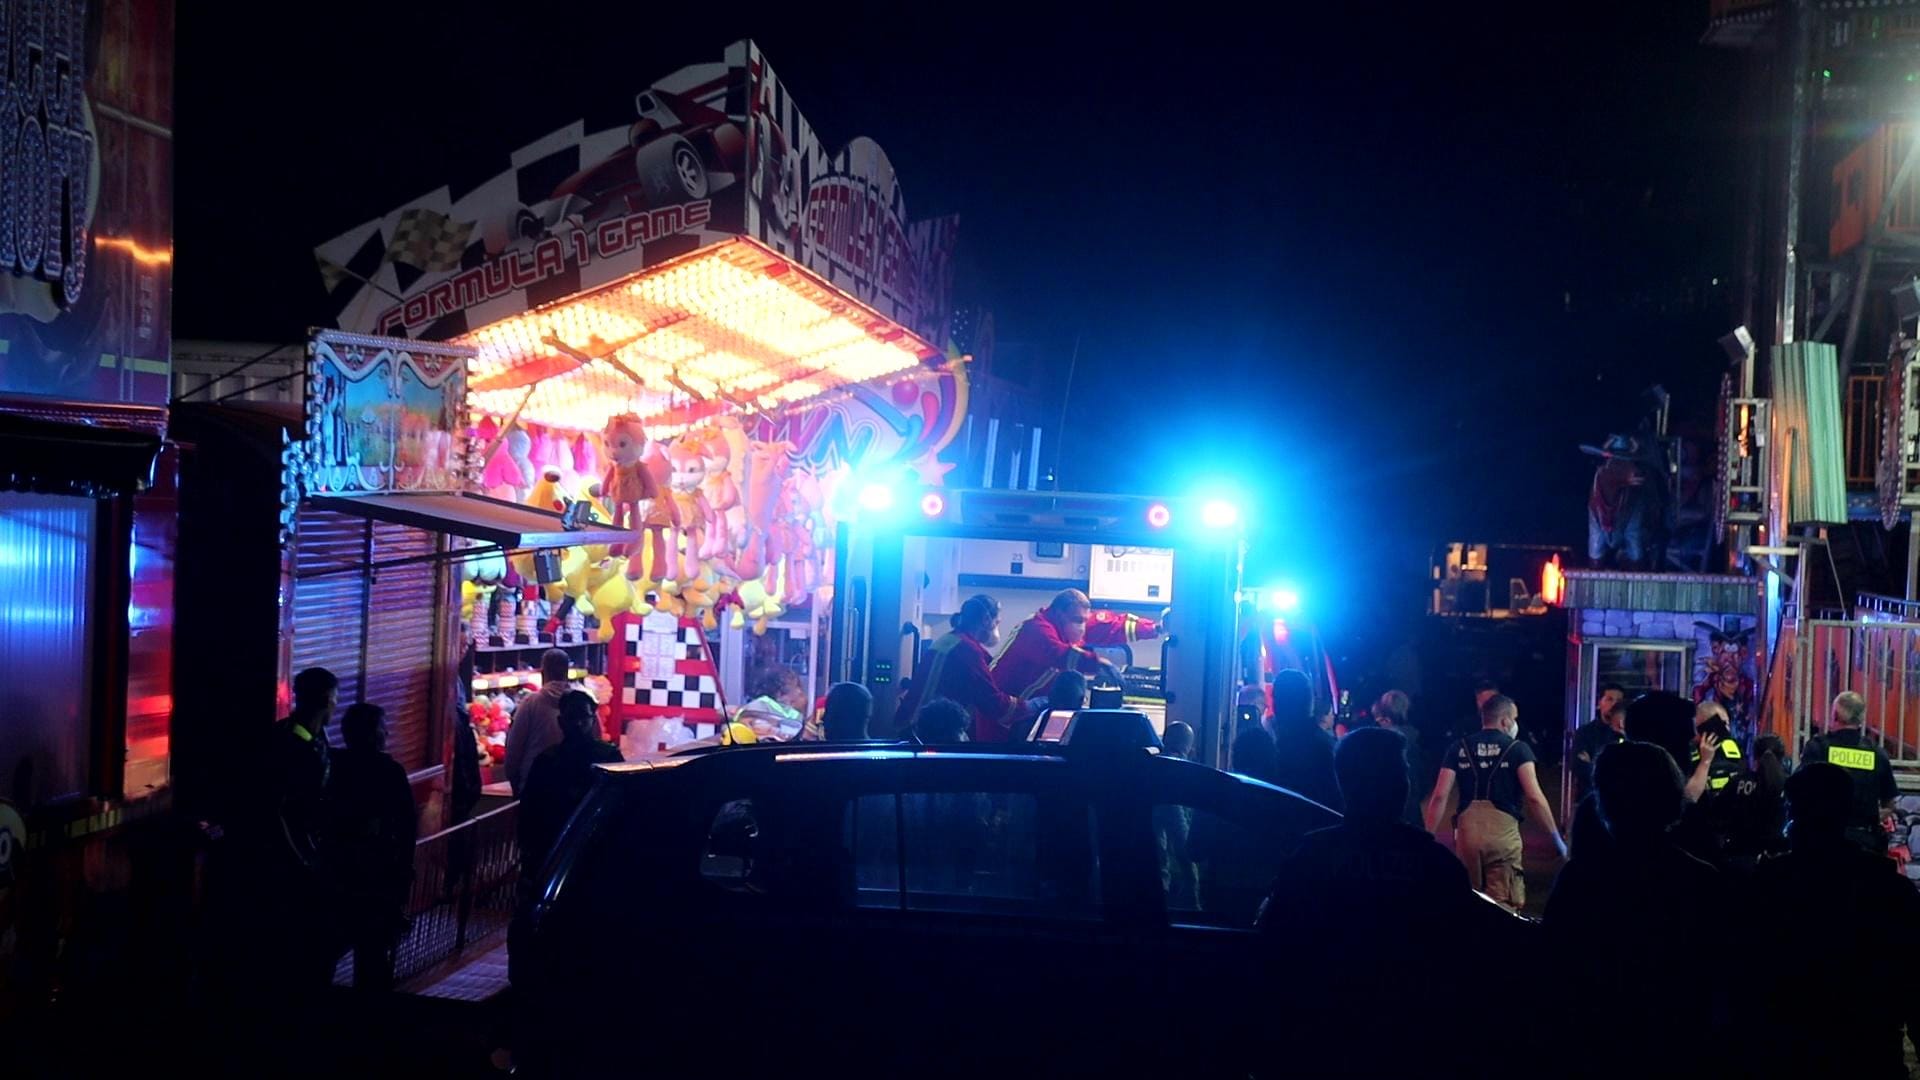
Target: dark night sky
(1389, 270)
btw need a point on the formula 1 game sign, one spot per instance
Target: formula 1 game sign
(710, 152)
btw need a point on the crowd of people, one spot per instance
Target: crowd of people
(1707, 888)
(1715, 911)
(315, 857)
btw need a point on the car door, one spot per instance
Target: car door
(980, 906)
(1215, 843)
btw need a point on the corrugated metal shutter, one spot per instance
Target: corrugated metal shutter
(1807, 430)
(400, 641)
(328, 610)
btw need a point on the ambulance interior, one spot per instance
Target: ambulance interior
(938, 573)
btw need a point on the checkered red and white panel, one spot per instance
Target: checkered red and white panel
(662, 667)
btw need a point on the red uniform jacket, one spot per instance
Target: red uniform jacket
(957, 668)
(1038, 653)
(1108, 629)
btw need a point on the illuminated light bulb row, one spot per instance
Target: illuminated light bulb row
(720, 322)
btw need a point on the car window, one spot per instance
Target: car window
(1213, 871)
(732, 858)
(1014, 853)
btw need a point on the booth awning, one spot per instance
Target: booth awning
(476, 517)
(733, 326)
(74, 459)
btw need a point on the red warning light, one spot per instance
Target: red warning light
(1158, 515)
(933, 504)
(1553, 582)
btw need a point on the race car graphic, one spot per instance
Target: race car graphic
(677, 151)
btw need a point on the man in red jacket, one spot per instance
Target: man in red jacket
(957, 667)
(1047, 644)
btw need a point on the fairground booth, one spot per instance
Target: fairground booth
(86, 499)
(694, 323)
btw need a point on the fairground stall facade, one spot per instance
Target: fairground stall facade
(702, 307)
(86, 495)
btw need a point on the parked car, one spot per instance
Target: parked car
(896, 909)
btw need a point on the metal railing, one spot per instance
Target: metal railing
(1877, 607)
(1880, 661)
(463, 889)
(464, 880)
(1865, 404)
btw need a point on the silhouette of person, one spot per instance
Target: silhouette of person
(1376, 908)
(559, 779)
(941, 720)
(1621, 915)
(1302, 753)
(1831, 892)
(369, 829)
(849, 710)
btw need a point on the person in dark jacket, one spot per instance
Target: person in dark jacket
(1378, 908)
(1843, 994)
(1302, 753)
(299, 761)
(1846, 743)
(368, 821)
(848, 713)
(560, 778)
(941, 720)
(1618, 911)
(1252, 752)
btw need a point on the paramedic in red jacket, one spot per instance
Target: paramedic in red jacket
(1047, 644)
(957, 667)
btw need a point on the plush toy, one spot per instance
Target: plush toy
(511, 471)
(759, 604)
(614, 596)
(686, 481)
(547, 493)
(633, 493)
(797, 524)
(537, 448)
(721, 492)
(586, 460)
(734, 437)
(767, 466)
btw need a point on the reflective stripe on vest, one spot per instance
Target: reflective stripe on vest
(1728, 751)
(1848, 757)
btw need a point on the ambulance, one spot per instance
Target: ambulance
(1163, 575)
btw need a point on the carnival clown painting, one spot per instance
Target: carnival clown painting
(1724, 673)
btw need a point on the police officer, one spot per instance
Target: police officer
(1846, 744)
(1716, 759)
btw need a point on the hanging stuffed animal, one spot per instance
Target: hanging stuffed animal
(793, 528)
(717, 489)
(633, 494)
(767, 466)
(586, 460)
(510, 472)
(688, 475)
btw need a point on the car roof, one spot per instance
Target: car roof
(1018, 755)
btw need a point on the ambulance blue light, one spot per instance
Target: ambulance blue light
(1220, 514)
(876, 497)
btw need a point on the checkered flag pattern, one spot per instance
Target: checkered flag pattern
(428, 240)
(662, 669)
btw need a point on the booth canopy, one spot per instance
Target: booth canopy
(730, 327)
(475, 517)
